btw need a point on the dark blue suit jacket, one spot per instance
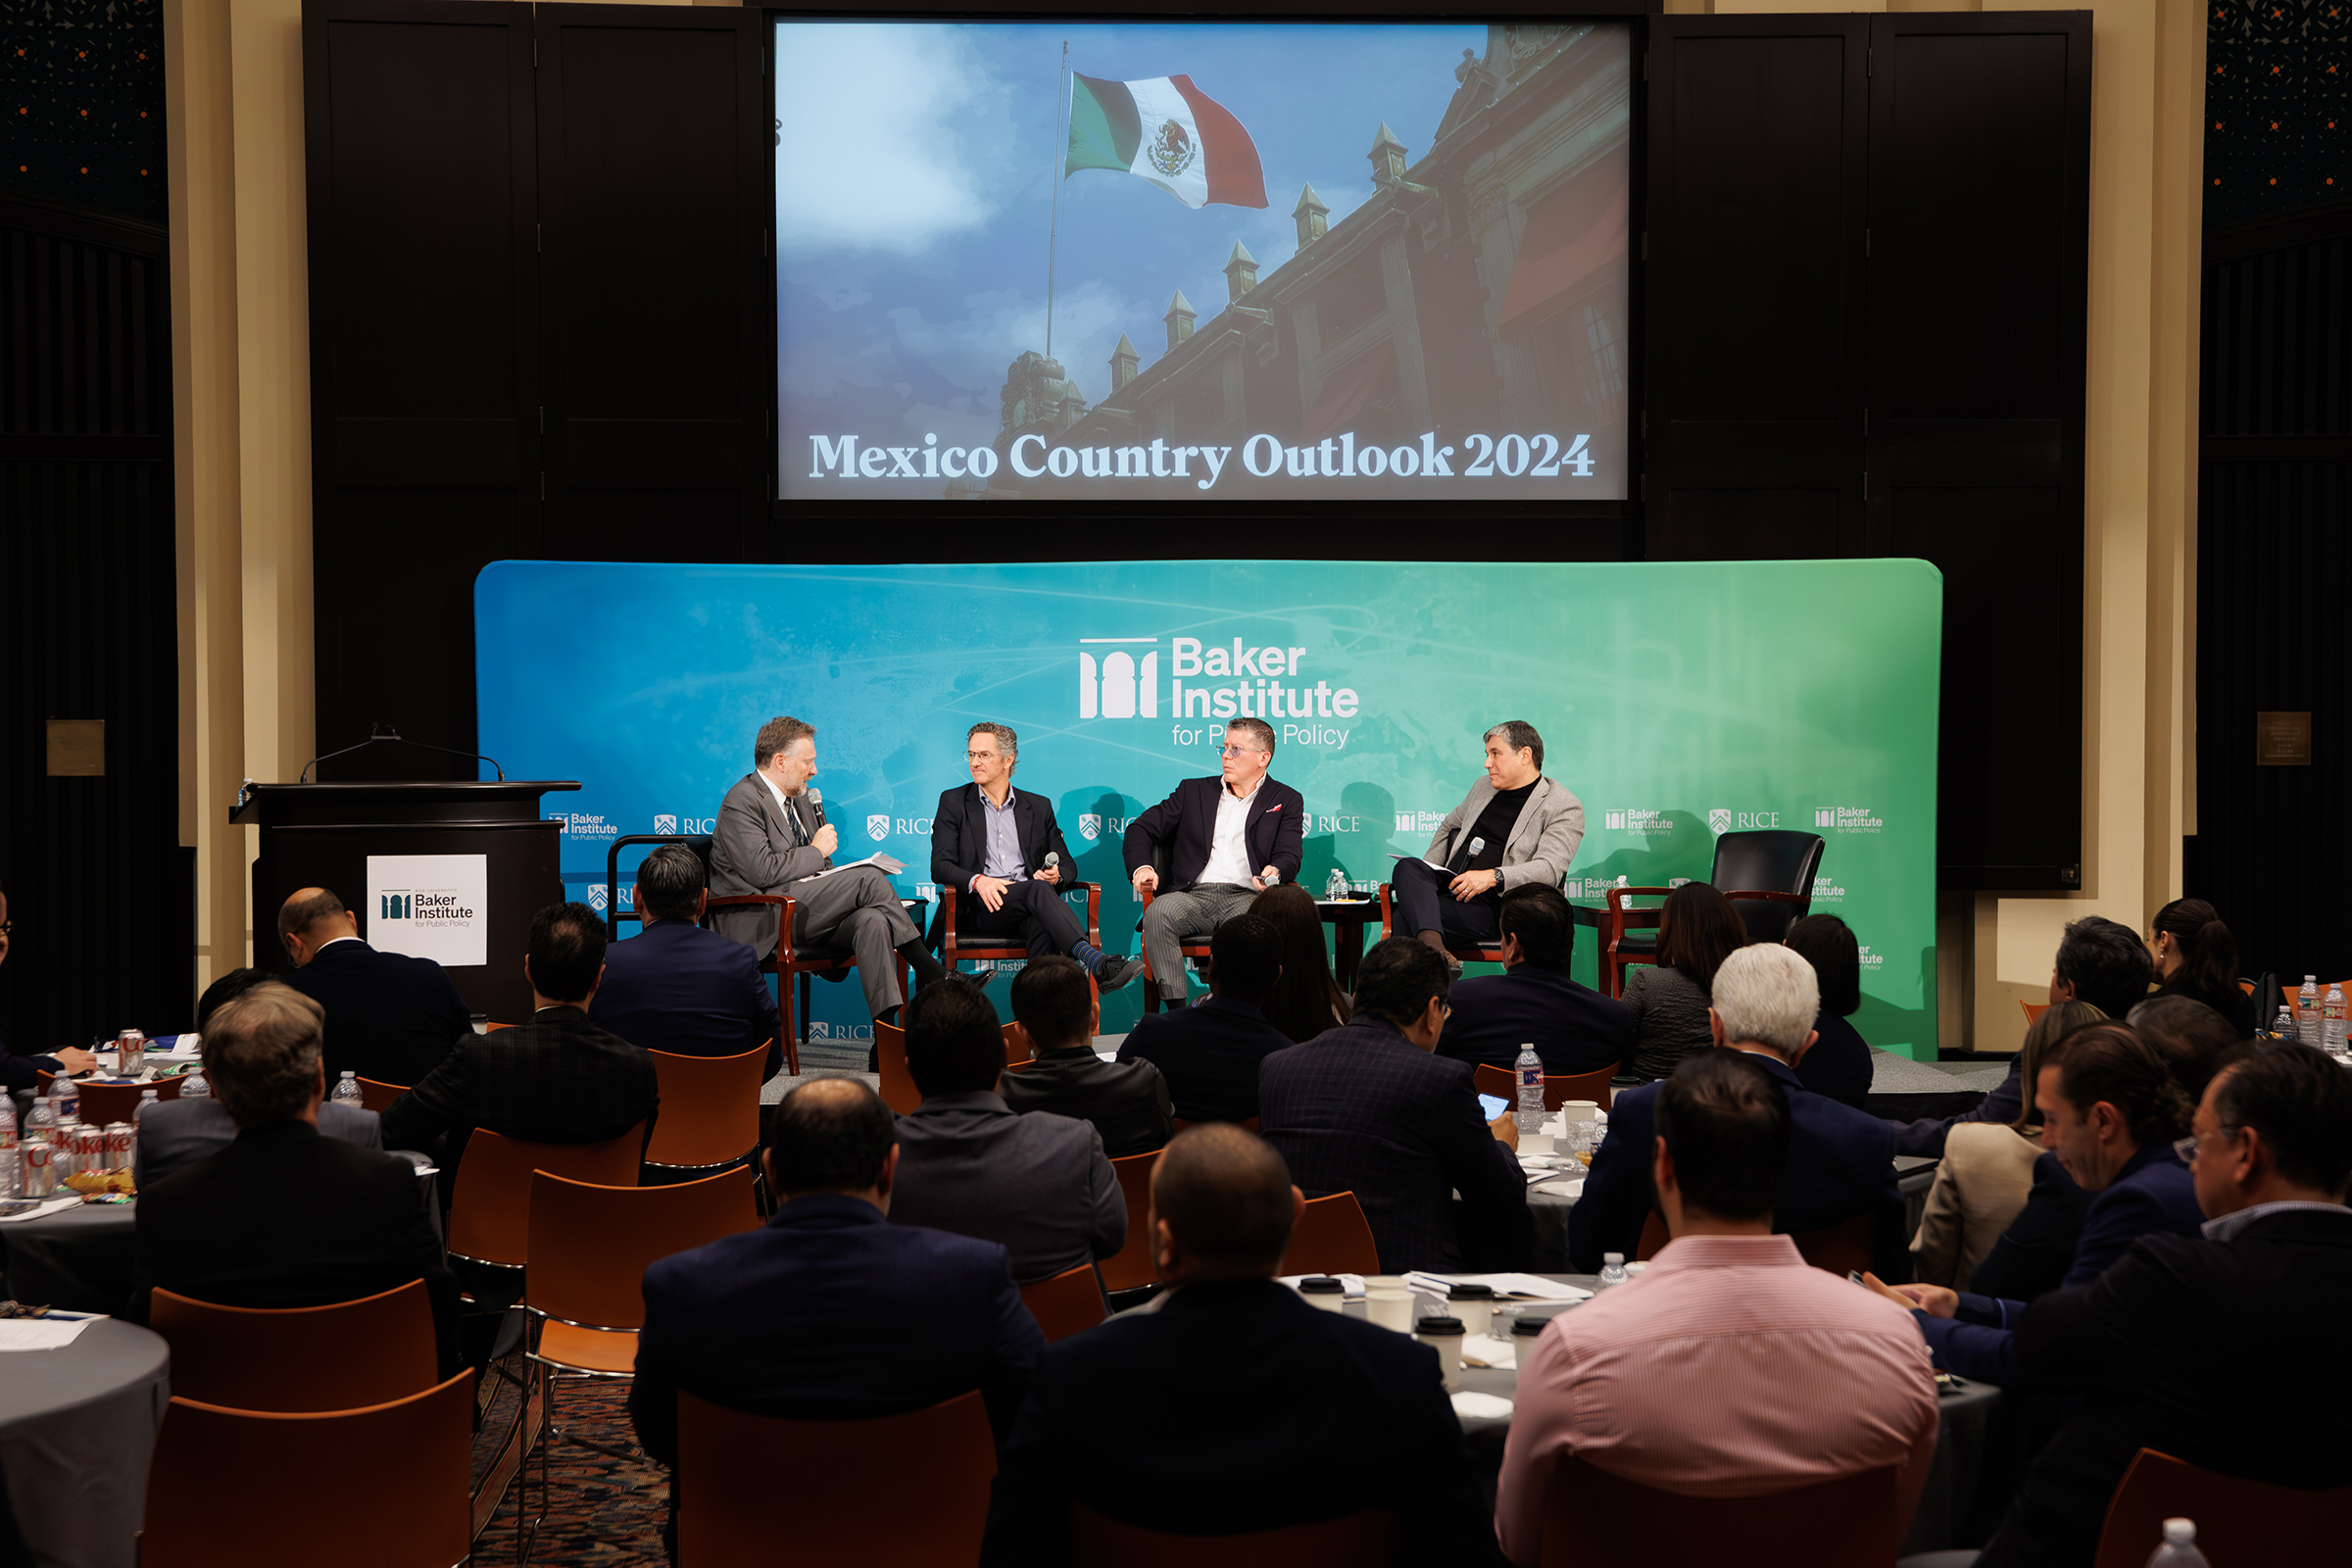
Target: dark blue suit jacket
(1841, 1165)
(2153, 1195)
(1208, 1054)
(1363, 1109)
(1187, 820)
(829, 1312)
(1574, 1028)
(390, 1017)
(675, 987)
(1323, 1416)
(1838, 1065)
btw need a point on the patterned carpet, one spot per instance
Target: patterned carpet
(602, 1512)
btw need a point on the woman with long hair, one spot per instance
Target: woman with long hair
(1306, 1000)
(1696, 931)
(2196, 958)
(1839, 1063)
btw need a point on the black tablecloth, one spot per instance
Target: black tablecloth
(76, 1426)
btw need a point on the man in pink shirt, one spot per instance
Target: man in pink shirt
(1729, 1367)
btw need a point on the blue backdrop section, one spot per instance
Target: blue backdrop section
(1678, 701)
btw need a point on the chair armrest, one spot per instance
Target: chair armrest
(1766, 895)
(783, 905)
(1383, 911)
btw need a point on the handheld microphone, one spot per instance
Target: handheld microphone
(1052, 858)
(1477, 845)
(816, 804)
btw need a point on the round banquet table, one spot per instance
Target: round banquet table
(78, 1261)
(76, 1426)
(1548, 1203)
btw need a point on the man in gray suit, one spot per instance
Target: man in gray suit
(1516, 828)
(772, 838)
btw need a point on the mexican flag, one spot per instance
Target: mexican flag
(1169, 132)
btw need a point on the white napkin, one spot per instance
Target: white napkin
(1355, 1283)
(1481, 1406)
(40, 1333)
(1524, 1287)
(49, 1206)
(1483, 1349)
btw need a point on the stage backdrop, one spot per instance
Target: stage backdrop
(1677, 701)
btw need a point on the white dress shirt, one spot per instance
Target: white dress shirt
(1228, 846)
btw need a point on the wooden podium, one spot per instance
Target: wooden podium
(325, 835)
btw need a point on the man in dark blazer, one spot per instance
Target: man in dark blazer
(557, 1079)
(2258, 1302)
(1039, 1184)
(1574, 1028)
(1000, 855)
(675, 987)
(1326, 1415)
(828, 1312)
(390, 1017)
(772, 838)
(1367, 1109)
(1228, 839)
(1209, 1054)
(283, 1217)
(1056, 1011)
(1841, 1161)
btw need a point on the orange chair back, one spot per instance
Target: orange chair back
(103, 1104)
(1593, 1519)
(1332, 1236)
(896, 1088)
(1367, 1539)
(2033, 1010)
(1016, 1049)
(379, 1096)
(373, 1350)
(1179, 1125)
(1653, 1237)
(406, 1466)
(1068, 1302)
(590, 1244)
(490, 1213)
(2238, 1521)
(1844, 1248)
(1136, 1264)
(1503, 1084)
(710, 1108)
(729, 1463)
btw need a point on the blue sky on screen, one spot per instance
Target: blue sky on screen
(914, 176)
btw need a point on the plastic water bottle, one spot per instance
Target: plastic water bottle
(195, 1086)
(2307, 1011)
(41, 1120)
(65, 1098)
(8, 1145)
(1530, 1070)
(347, 1090)
(1336, 885)
(2179, 1549)
(2283, 1026)
(2331, 1020)
(1612, 1269)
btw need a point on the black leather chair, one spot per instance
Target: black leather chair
(1767, 875)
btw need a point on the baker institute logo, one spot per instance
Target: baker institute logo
(1118, 686)
(429, 906)
(1638, 819)
(1847, 819)
(877, 829)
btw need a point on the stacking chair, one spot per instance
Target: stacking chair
(1017, 1048)
(1002, 949)
(103, 1104)
(1503, 1084)
(875, 1510)
(1367, 1539)
(896, 1088)
(2033, 1010)
(1465, 951)
(794, 962)
(1332, 1236)
(374, 1350)
(1191, 949)
(1841, 1249)
(490, 1213)
(379, 1096)
(710, 1110)
(1592, 1519)
(1767, 875)
(385, 1485)
(1136, 1264)
(2238, 1520)
(1068, 1302)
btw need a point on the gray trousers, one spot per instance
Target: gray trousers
(1175, 919)
(861, 910)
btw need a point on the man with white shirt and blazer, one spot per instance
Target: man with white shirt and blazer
(1228, 838)
(773, 839)
(1515, 828)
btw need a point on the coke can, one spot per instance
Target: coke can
(40, 1168)
(117, 1146)
(130, 1053)
(89, 1148)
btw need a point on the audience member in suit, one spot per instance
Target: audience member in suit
(2258, 1297)
(1515, 828)
(25, 1072)
(1840, 1163)
(1838, 1065)
(390, 1017)
(1574, 1028)
(2100, 962)
(829, 1312)
(1055, 1010)
(2196, 958)
(1668, 1001)
(678, 988)
(282, 1216)
(1228, 839)
(2110, 1112)
(1339, 1416)
(1039, 1184)
(1987, 1174)
(557, 1079)
(1306, 1000)
(2194, 1041)
(771, 837)
(1368, 1109)
(1729, 1367)
(991, 844)
(1209, 1053)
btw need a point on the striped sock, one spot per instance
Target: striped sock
(1087, 954)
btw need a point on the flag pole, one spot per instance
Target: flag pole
(1061, 139)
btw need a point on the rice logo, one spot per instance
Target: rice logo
(1090, 826)
(597, 897)
(665, 823)
(1722, 819)
(877, 829)
(1118, 686)
(1719, 820)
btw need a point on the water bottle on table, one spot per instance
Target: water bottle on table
(2283, 1026)
(195, 1086)
(347, 1090)
(1613, 1271)
(149, 1099)
(1529, 1069)
(2307, 1011)
(65, 1099)
(2331, 1020)
(1335, 886)
(8, 1145)
(2179, 1549)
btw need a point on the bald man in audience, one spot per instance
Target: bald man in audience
(1321, 1415)
(1730, 1367)
(390, 1017)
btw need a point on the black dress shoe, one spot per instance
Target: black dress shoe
(1116, 972)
